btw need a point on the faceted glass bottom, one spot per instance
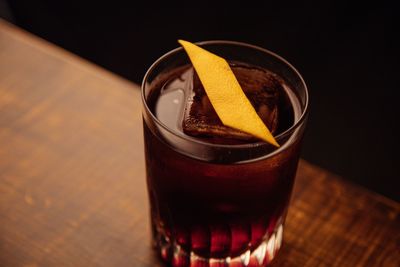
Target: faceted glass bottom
(174, 255)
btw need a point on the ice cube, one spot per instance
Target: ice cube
(261, 87)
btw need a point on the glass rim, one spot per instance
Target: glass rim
(288, 131)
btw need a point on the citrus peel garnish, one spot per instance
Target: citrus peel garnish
(225, 93)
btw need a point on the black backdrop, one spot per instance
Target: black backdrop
(346, 53)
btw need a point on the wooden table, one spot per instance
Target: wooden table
(72, 178)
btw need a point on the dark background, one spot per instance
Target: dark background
(346, 53)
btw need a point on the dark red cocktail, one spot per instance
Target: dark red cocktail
(219, 198)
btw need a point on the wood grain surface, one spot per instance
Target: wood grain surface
(72, 179)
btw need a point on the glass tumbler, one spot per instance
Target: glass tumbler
(217, 204)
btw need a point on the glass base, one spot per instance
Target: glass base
(174, 255)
